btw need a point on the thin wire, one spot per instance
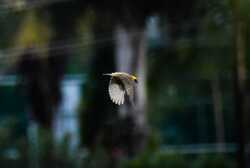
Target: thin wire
(6, 8)
(12, 54)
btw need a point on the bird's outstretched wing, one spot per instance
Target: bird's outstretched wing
(129, 86)
(116, 91)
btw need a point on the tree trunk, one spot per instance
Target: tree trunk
(130, 58)
(240, 84)
(218, 113)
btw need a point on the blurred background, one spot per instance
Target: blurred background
(191, 60)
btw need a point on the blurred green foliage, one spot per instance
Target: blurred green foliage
(154, 157)
(215, 161)
(33, 32)
(180, 74)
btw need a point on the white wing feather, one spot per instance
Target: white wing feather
(129, 86)
(116, 92)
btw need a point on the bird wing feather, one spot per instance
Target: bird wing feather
(129, 86)
(116, 91)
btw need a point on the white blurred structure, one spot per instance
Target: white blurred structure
(66, 119)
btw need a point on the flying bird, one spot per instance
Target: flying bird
(121, 85)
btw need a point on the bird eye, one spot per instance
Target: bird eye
(136, 81)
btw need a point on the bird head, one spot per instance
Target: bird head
(117, 74)
(134, 78)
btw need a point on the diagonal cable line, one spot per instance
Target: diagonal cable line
(33, 4)
(10, 56)
(13, 7)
